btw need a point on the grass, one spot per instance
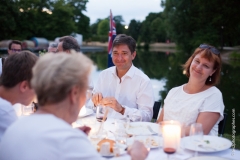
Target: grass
(236, 142)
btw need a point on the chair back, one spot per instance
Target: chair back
(156, 108)
(221, 125)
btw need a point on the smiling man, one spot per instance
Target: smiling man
(14, 47)
(123, 87)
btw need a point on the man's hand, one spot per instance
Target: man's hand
(138, 151)
(96, 98)
(111, 102)
(85, 129)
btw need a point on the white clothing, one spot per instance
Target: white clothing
(1, 66)
(7, 116)
(44, 136)
(134, 92)
(185, 107)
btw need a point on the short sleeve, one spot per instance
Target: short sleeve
(214, 103)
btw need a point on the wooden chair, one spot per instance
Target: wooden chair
(221, 125)
(156, 108)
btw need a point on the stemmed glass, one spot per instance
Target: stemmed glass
(196, 133)
(89, 94)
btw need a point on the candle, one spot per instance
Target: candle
(171, 132)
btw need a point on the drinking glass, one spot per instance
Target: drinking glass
(196, 133)
(171, 133)
(137, 117)
(89, 95)
(100, 113)
(27, 110)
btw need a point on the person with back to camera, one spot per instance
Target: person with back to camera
(198, 101)
(60, 82)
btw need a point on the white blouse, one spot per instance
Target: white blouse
(185, 107)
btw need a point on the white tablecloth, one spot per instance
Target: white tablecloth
(158, 153)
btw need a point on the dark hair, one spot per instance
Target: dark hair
(14, 42)
(206, 53)
(124, 39)
(69, 43)
(17, 68)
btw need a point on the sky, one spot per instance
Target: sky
(128, 9)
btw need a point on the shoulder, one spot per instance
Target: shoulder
(5, 106)
(107, 71)
(140, 74)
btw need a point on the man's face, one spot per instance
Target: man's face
(122, 57)
(15, 48)
(60, 48)
(52, 49)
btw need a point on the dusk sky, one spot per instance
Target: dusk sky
(128, 9)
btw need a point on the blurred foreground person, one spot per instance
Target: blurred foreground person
(60, 82)
(198, 101)
(15, 86)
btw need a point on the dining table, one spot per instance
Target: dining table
(156, 153)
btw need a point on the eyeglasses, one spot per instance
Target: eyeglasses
(16, 50)
(213, 49)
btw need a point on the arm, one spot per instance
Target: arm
(160, 119)
(208, 120)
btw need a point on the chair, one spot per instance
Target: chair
(221, 125)
(156, 108)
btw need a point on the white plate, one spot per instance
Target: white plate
(209, 144)
(208, 157)
(85, 112)
(140, 128)
(148, 141)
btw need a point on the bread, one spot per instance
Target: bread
(111, 142)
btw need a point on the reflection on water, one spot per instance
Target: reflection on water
(165, 72)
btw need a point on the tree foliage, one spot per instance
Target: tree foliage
(24, 19)
(191, 22)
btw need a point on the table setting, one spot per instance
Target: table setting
(121, 133)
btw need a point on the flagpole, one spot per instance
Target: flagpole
(111, 37)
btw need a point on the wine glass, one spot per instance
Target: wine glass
(136, 117)
(196, 133)
(171, 133)
(89, 94)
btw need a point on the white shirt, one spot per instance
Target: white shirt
(134, 92)
(44, 136)
(7, 116)
(185, 107)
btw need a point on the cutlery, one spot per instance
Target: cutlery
(206, 147)
(151, 130)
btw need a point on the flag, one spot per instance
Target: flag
(111, 36)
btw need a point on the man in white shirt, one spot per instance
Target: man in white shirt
(15, 86)
(123, 87)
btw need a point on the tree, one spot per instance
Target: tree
(134, 29)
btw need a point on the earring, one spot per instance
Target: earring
(210, 78)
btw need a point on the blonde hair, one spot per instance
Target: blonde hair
(55, 74)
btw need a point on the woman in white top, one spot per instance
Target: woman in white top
(198, 101)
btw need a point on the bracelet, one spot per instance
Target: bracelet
(122, 111)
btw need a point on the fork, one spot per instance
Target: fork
(151, 130)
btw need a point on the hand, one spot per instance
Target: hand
(111, 102)
(138, 151)
(85, 129)
(96, 98)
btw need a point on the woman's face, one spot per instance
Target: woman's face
(201, 68)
